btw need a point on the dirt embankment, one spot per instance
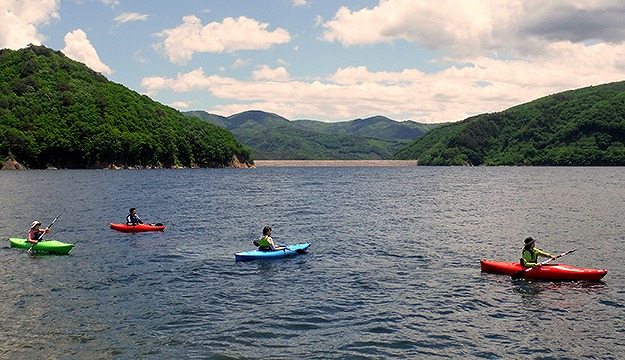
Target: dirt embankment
(260, 163)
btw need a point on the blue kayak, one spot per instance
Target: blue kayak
(291, 250)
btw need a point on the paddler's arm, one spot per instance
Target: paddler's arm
(42, 232)
(274, 246)
(29, 239)
(544, 254)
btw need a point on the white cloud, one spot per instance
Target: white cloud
(319, 22)
(20, 20)
(79, 48)
(460, 26)
(111, 3)
(482, 84)
(360, 75)
(138, 57)
(266, 73)
(494, 55)
(191, 81)
(230, 35)
(127, 17)
(297, 3)
(238, 63)
(180, 104)
(466, 28)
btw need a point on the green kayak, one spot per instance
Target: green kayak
(51, 246)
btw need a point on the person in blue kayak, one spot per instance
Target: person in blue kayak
(35, 233)
(132, 218)
(265, 242)
(530, 254)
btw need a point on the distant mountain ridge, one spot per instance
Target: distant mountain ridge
(376, 127)
(573, 128)
(273, 137)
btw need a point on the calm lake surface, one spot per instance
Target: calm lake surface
(393, 271)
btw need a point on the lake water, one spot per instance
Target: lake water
(393, 271)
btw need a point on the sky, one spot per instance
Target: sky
(426, 61)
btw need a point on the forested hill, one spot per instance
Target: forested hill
(271, 136)
(578, 127)
(56, 112)
(376, 127)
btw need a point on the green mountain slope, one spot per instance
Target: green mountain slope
(57, 112)
(578, 127)
(376, 127)
(273, 137)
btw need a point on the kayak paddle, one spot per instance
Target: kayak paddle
(44, 233)
(520, 274)
(286, 247)
(299, 251)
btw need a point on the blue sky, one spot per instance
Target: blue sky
(427, 61)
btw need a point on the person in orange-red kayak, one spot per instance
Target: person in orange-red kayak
(132, 218)
(530, 254)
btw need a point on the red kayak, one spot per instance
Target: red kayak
(138, 227)
(546, 272)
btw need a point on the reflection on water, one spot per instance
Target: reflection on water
(532, 287)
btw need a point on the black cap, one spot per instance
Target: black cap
(529, 240)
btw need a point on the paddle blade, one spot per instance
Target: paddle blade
(519, 274)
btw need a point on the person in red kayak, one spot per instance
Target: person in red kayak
(265, 242)
(132, 218)
(35, 233)
(530, 253)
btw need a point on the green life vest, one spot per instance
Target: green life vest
(533, 257)
(263, 241)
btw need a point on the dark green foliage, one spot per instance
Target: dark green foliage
(57, 112)
(273, 137)
(378, 127)
(577, 128)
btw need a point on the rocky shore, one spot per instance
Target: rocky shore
(12, 164)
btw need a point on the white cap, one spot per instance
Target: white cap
(35, 223)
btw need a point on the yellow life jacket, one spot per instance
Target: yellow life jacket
(264, 241)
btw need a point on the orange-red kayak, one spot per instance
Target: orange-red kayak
(554, 272)
(138, 227)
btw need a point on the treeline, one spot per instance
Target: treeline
(575, 128)
(56, 112)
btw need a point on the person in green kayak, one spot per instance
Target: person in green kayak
(530, 254)
(132, 218)
(35, 233)
(265, 242)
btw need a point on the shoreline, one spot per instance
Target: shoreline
(320, 163)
